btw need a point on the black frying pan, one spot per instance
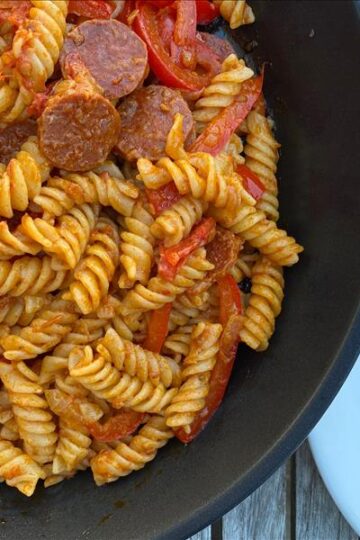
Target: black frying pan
(274, 398)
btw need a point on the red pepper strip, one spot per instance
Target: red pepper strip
(121, 425)
(206, 11)
(163, 198)
(252, 182)
(91, 9)
(185, 26)
(218, 132)
(231, 310)
(173, 257)
(158, 329)
(165, 69)
(160, 3)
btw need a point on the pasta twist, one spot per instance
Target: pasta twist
(30, 275)
(21, 181)
(103, 379)
(68, 239)
(52, 324)
(253, 226)
(9, 430)
(267, 293)
(72, 448)
(96, 269)
(18, 469)
(188, 308)
(32, 414)
(21, 311)
(178, 342)
(160, 292)
(109, 465)
(221, 91)
(196, 372)
(14, 244)
(262, 155)
(176, 223)
(138, 362)
(137, 243)
(105, 190)
(235, 12)
(59, 195)
(243, 266)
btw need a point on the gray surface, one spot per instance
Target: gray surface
(292, 505)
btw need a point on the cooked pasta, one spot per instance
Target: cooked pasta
(93, 274)
(68, 239)
(101, 377)
(30, 275)
(121, 247)
(59, 195)
(51, 325)
(222, 90)
(137, 241)
(176, 223)
(109, 465)
(236, 12)
(266, 296)
(197, 368)
(261, 151)
(21, 181)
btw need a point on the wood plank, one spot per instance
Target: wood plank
(317, 516)
(205, 534)
(264, 515)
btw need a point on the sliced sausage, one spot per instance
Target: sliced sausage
(221, 47)
(114, 55)
(146, 119)
(12, 137)
(78, 130)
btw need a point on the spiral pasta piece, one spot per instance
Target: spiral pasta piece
(93, 274)
(15, 244)
(159, 292)
(235, 12)
(59, 195)
(30, 275)
(102, 378)
(68, 239)
(21, 181)
(137, 241)
(138, 362)
(21, 311)
(243, 266)
(261, 233)
(188, 308)
(196, 372)
(109, 465)
(178, 342)
(221, 91)
(51, 325)
(35, 50)
(262, 155)
(36, 426)
(176, 223)
(18, 469)
(73, 446)
(8, 430)
(267, 293)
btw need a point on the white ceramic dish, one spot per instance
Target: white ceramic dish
(335, 444)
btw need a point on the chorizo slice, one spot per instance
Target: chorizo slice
(113, 54)
(13, 136)
(146, 119)
(77, 130)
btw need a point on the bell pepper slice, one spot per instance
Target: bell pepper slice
(206, 11)
(91, 9)
(231, 317)
(121, 425)
(163, 198)
(251, 181)
(172, 258)
(165, 69)
(218, 132)
(157, 329)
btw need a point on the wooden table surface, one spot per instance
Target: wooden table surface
(292, 505)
